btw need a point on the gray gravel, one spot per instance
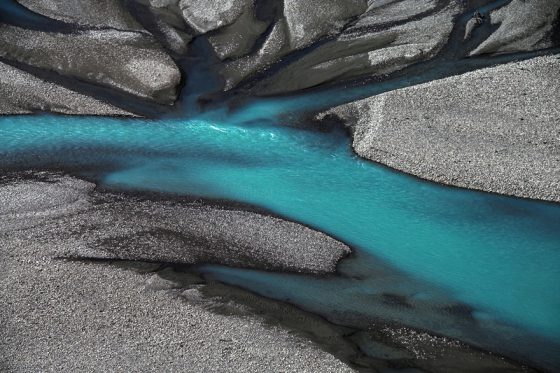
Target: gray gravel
(495, 129)
(167, 22)
(129, 61)
(113, 227)
(335, 40)
(384, 12)
(369, 53)
(98, 13)
(238, 39)
(85, 315)
(275, 45)
(312, 19)
(207, 15)
(302, 24)
(60, 316)
(522, 26)
(23, 93)
(167, 11)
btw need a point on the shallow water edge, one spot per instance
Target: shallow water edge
(359, 346)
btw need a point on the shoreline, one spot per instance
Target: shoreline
(182, 219)
(464, 137)
(328, 344)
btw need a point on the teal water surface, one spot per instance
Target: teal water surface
(499, 255)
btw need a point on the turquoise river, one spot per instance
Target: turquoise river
(498, 255)
(479, 267)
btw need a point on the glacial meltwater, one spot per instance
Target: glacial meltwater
(479, 267)
(497, 257)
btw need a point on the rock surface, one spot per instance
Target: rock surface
(522, 26)
(495, 129)
(23, 93)
(127, 61)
